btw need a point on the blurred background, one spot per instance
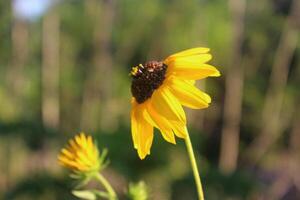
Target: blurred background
(64, 68)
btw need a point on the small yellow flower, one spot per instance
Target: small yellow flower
(160, 88)
(80, 155)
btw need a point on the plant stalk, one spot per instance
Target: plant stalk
(107, 186)
(194, 167)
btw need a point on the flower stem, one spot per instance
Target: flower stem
(107, 186)
(189, 147)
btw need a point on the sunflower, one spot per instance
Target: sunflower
(81, 155)
(160, 88)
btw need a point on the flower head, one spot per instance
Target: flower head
(81, 155)
(160, 88)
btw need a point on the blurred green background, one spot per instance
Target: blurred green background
(64, 69)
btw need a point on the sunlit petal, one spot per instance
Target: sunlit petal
(134, 124)
(167, 105)
(180, 130)
(192, 68)
(162, 124)
(189, 95)
(188, 52)
(145, 135)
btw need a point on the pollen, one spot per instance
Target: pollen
(134, 70)
(146, 79)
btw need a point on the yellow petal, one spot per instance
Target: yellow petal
(188, 95)
(192, 68)
(90, 142)
(79, 141)
(84, 159)
(67, 153)
(90, 148)
(157, 120)
(168, 136)
(73, 145)
(180, 130)
(134, 125)
(192, 82)
(188, 52)
(162, 124)
(144, 107)
(66, 162)
(83, 141)
(145, 139)
(144, 134)
(167, 105)
(201, 58)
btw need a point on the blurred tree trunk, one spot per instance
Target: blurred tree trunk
(295, 133)
(15, 81)
(271, 122)
(70, 98)
(50, 70)
(15, 76)
(99, 80)
(234, 89)
(294, 145)
(288, 162)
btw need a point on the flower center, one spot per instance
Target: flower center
(146, 79)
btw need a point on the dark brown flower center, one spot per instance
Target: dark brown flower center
(146, 79)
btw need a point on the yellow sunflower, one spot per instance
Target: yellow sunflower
(81, 155)
(160, 88)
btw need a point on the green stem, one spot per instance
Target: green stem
(107, 186)
(194, 167)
